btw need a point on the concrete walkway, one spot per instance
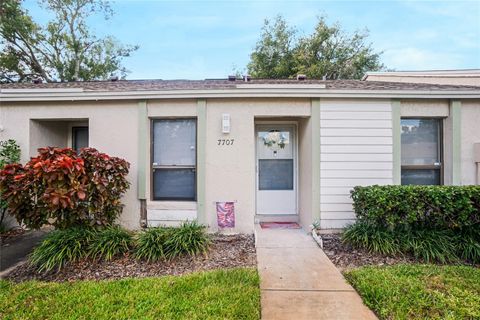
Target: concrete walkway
(298, 281)
(15, 250)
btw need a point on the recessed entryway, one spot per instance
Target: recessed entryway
(62, 133)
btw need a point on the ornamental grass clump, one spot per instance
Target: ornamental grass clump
(61, 247)
(429, 245)
(168, 242)
(190, 238)
(468, 244)
(371, 238)
(150, 244)
(110, 242)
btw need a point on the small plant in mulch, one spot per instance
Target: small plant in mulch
(424, 245)
(109, 242)
(61, 247)
(224, 252)
(166, 243)
(150, 244)
(71, 245)
(162, 243)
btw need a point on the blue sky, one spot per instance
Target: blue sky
(209, 39)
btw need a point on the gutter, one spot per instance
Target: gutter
(20, 95)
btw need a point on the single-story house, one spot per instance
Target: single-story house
(279, 150)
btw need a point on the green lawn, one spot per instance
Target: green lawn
(223, 294)
(419, 291)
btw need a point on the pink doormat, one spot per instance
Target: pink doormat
(279, 225)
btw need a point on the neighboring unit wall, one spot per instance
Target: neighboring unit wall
(356, 150)
(447, 77)
(113, 129)
(470, 134)
(415, 108)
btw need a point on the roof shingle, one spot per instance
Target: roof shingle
(222, 84)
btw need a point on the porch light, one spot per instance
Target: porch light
(226, 123)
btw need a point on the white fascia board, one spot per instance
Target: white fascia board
(235, 93)
(280, 86)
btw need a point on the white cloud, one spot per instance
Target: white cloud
(410, 58)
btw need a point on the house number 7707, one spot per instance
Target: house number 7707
(225, 142)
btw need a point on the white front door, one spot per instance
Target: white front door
(276, 169)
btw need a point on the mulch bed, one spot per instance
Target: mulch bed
(346, 257)
(225, 252)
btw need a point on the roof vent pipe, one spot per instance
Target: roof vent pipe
(232, 78)
(246, 78)
(301, 77)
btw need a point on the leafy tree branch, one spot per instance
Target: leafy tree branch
(62, 50)
(328, 52)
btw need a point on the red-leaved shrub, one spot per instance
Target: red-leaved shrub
(61, 188)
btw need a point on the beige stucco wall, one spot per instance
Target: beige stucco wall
(470, 135)
(424, 108)
(305, 172)
(450, 80)
(230, 170)
(113, 129)
(47, 133)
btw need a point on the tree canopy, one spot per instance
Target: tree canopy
(65, 49)
(328, 52)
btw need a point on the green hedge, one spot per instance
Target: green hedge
(430, 223)
(437, 207)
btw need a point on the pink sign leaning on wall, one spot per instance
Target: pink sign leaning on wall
(226, 214)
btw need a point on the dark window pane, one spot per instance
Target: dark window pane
(420, 141)
(421, 176)
(276, 174)
(174, 184)
(174, 142)
(79, 138)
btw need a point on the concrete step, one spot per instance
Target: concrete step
(276, 218)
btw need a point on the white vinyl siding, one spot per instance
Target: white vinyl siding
(356, 150)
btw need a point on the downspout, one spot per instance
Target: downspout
(142, 161)
(476, 158)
